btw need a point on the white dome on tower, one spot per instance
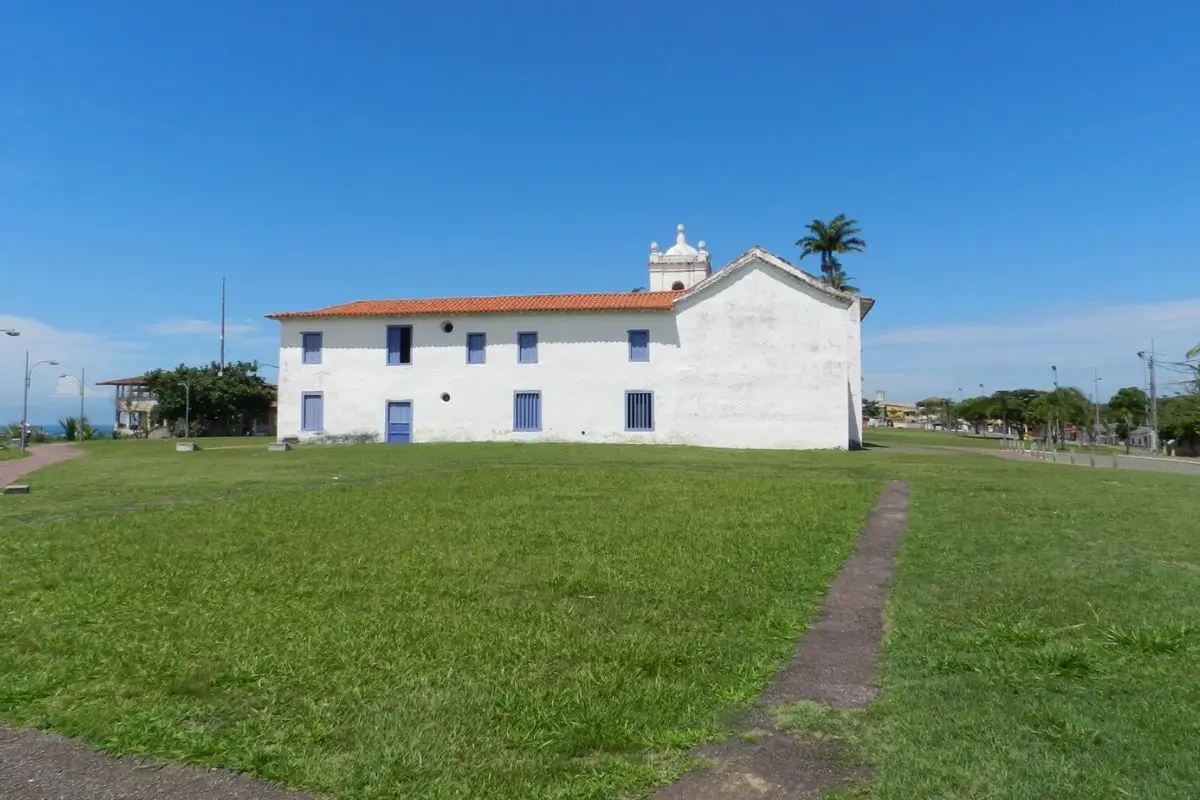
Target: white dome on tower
(681, 247)
(680, 267)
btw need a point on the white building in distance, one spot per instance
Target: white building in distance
(756, 355)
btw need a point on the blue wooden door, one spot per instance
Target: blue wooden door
(399, 423)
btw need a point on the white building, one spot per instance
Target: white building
(758, 354)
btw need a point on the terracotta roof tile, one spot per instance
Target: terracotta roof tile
(614, 301)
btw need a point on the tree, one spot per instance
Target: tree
(1063, 406)
(872, 409)
(937, 409)
(1131, 407)
(828, 240)
(77, 428)
(1179, 420)
(1011, 406)
(837, 278)
(219, 403)
(976, 411)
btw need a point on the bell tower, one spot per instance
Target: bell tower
(681, 267)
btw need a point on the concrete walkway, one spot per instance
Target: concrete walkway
(40, 455)
(1178, 466)
(39, 766)
(835, 664)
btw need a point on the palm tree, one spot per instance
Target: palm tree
(838, 279)
(839, 235)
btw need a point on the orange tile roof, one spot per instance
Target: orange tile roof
(613, 301)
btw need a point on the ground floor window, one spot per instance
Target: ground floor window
(527, 411)
(639, 411)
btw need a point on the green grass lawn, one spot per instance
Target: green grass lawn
(1044, 639)
(565, 621)
(8, 453)
(438, 622)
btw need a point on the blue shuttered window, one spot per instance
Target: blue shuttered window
(639, 345)
(476, 348)
(527, 348)
(311, 344)
(399, 344)
(527, 411)
(639, 411)
(312, 412)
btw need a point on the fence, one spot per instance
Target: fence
(1038, 449)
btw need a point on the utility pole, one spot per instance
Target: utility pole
(1096, 398)
(1148, 358)
(221, 369)
(1153, 405)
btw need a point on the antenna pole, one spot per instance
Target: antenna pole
(1153, 405)
(221, 369)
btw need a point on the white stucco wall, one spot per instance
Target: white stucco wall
(756, 360)
(854, 364)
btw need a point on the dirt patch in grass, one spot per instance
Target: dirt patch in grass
(792, 747)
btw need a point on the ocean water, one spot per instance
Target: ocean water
(54, 429)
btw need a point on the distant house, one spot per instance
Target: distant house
(132, 405)
(895, 415)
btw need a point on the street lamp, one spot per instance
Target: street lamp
(80, 380)
(187, 408)
(29, 368)
(1054, 406)
(12, 332)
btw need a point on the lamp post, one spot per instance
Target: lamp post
(80, 380)
(187, 408)
(1096, 400)
(29, 368)
(1054, 424)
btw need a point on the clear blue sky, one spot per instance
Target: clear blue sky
(1025, 173)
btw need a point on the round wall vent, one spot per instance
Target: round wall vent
(447, 326)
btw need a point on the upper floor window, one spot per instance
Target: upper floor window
(399, 344)
(476, 348)
(527, 347)
(639, 345)
(311, 344)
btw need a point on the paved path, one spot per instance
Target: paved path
(38, 766)
(836, 663)
(1178, 466)
(40, 455)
